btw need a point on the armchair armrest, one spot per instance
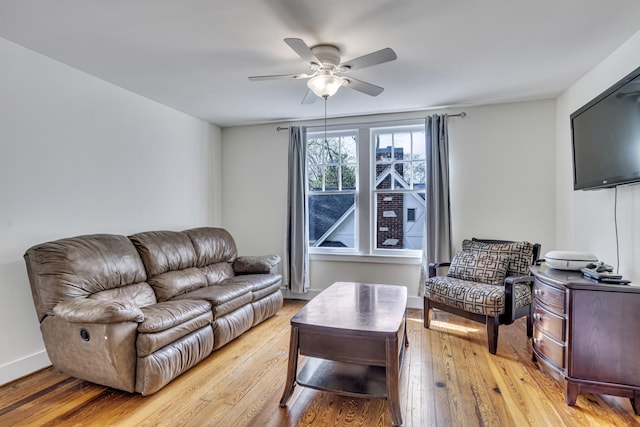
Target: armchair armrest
(266, 264)
(84, 310)
(433, 267)
(512, 280)
(509, 285)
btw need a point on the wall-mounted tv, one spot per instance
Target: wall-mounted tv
(606, 137)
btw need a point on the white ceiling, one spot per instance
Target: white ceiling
(195, 55)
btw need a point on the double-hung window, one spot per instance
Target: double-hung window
(366, 190)
(332, 171)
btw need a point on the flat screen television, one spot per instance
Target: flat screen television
(605, 137)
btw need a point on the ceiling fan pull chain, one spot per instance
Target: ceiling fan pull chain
(325, 120)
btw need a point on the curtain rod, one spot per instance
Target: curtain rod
(461, 115)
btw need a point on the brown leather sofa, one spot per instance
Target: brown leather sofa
(135, 312)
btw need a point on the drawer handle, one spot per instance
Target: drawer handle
(538, 292)
(537, 316)
(537, 340)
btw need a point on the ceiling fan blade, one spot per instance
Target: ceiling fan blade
(302, 49)
(363, 87)
(281, 76)
(309, 98)
(378, 57)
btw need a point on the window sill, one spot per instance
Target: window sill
(378, 259)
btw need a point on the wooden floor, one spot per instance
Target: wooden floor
(448, 379)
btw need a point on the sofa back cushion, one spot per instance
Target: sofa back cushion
(163, 251)
(170, 260)
(215, 251)
(79, 267)
(212, 245)
(182, 261)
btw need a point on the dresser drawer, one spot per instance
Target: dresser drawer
(549, 348)
(551, 324)
(549, 296)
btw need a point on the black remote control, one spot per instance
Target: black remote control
(615, 280)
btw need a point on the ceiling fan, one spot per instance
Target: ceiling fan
(324, 62)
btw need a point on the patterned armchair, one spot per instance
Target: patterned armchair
(489, 282)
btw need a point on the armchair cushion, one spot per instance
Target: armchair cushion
(474, 297)
(519, 254)
(484, 267)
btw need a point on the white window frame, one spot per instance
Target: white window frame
(365, 215)
(347, 131)
(396, 128)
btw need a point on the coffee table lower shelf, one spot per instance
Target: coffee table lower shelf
(349, 379)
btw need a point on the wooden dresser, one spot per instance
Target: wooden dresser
(587, 334)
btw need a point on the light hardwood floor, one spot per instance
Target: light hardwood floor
(448, 379)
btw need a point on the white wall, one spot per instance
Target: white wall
(502, 184)
(585, 219)
(502, 173)
(79, 155)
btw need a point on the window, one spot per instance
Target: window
(367, 190)
(333, 182)
(399, 187)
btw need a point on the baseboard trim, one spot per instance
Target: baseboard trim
(22, 367)
(415, 302)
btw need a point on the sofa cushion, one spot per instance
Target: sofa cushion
(168, 285)
(217, 294)
(520, 254)
(223, 299)
(255, 282)
(271, 289)
(77, 267)
(216, 273)
(141, 294)
(485, 267)
(231, 305)
(167, 314)
(212, 245)
(163, 251)
(147, 343)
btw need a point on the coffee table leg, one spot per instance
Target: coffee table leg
(292, 367)
(406, 339)
(393, 382)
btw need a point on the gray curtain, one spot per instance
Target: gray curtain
(436, 243)
(297, 240)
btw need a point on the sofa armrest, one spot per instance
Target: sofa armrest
(266, 264)
(83, 310)
(434, 266)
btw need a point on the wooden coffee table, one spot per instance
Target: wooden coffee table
(354, 335)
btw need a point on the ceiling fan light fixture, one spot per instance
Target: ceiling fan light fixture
(325, 85)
